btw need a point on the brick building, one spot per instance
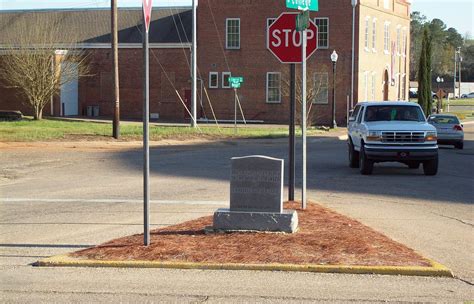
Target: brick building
(232, 41)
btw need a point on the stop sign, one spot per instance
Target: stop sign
(285, 42)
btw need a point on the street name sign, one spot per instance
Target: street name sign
(236, 79)
(303, 5)
(147, 6)
(302, 21)
(285, 42)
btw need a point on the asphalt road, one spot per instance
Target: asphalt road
(58, 199)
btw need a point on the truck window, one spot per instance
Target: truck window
(359, 119)
(355, 112)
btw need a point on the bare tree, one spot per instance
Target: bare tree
(316, 87)
(39, 59)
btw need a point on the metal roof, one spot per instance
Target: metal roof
(91, 26)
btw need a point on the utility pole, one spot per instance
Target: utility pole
(455, 74)
(291, 173)
(116, 94)
(354, 4)
(194, 69)
(303, 117)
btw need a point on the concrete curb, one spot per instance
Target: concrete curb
(436, 269)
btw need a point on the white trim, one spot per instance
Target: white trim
(367, 34)
(210, 81)
(279, 87)
(374, 35)
(223, 85)
(226, 34)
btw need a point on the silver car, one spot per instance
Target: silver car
(449, 129)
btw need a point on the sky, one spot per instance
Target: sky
(455, 13)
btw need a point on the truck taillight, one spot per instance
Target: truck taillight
(457, 128)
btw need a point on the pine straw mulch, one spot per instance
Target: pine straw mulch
(324, 237)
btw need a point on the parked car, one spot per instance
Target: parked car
(449, 128)
(391, 131)
(470, 95)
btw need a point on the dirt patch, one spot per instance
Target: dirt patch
(324, 237)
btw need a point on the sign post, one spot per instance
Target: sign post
(235, 83)
(292, 46)
(146, 117)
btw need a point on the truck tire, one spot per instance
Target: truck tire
(430, 167)
(366, 165)
(353, 156)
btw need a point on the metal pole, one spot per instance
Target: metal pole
(459, 78)
(291, 175)
(455, 73)
(116, 122)
(146, 146)
(194, 70)
(334, 124)
(235, 111)
(303, 118)
(354, 3)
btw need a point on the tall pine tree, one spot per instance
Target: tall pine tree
(424, 74)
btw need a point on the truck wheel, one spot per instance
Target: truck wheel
(366, 165)
(353, 156)
(430, 167)
(414, 165)
(459, 145)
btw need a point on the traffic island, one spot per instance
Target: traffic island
(325, 242)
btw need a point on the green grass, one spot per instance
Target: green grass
(50, 129)
(460, 102)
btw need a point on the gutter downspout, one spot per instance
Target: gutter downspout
(354, 4)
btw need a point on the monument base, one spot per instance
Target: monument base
(287, 221)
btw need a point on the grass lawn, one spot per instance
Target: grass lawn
(461, 102)
(50, 129)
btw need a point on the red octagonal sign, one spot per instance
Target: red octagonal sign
(285, 42)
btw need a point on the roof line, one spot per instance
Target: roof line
(90, 9)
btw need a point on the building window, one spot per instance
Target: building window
(386, 38)
(213, 80)
(374, 35)
(225, 80)
(404, 41)
(366, 34)
(399, 40)
(273, 87)
(404, 87)
(366, 86)
(373, 85)
(386, 4)
(233, 33)
(269, 22)
(321, 88)
(323, 32)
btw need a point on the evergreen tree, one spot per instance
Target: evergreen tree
(424, 74)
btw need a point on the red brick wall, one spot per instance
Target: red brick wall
(97, 89)
(253, 60)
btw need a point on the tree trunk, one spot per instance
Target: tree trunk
(38, 113)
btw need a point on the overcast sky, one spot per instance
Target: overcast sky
(455, 13)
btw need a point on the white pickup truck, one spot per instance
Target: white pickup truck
(391, 132)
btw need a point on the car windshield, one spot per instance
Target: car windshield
(394, 113)
(444, 120)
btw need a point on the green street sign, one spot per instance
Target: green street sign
(236, 79)
(303, 5)
(302, 21)
(235, 85)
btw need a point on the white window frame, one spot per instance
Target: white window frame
(386, 38)
(366, 34)
(399, 37)
(326, 75)
(319, 46)
(210, 80)
(227, 34)
(374, 78)
(386, 4)
(404, 42)
(223, 84)
(279, 87)
(366, 85)
(374, 35)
